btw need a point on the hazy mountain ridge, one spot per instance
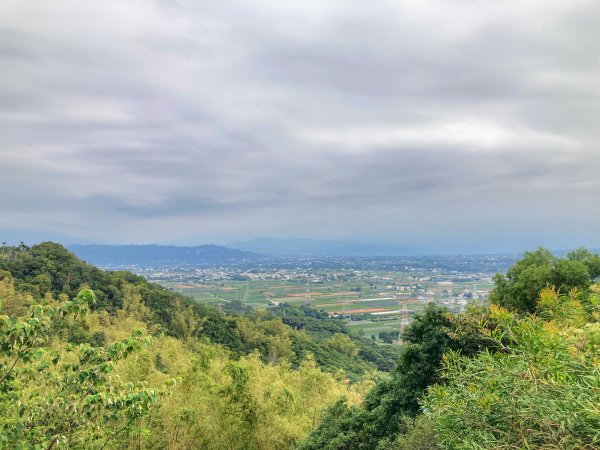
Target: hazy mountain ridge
(153, 253)
(310, 247)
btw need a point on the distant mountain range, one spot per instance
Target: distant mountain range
(237, 252)
(309, 247)
(122, 255)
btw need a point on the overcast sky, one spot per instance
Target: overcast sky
(444, 125)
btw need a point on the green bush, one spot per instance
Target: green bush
(540, 391)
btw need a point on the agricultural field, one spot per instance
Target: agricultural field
(370, 302)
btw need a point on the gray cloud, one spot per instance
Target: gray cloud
(454, 125)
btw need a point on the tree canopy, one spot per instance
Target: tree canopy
(520, 288)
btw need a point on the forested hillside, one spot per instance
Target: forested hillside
(50, 268)
(247, 381)
(95, 359)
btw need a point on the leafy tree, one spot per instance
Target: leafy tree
(521, 287)
(591, 260)
(52, 396)
(389, 336)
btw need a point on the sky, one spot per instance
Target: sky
(447, 126)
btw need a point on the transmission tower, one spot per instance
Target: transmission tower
(307, 294)
(403, 320)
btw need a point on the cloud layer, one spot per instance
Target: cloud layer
(453, 125)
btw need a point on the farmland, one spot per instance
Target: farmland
(369, 300)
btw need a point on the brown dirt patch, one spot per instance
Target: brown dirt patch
(190, 286)
(358, 311)
(322, 294)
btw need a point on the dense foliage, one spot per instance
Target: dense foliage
(80, 373)
(52, 395)
(520, 288)
(541, 391)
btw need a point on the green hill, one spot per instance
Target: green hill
(50, 268)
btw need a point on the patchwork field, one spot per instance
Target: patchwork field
(376, 301)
